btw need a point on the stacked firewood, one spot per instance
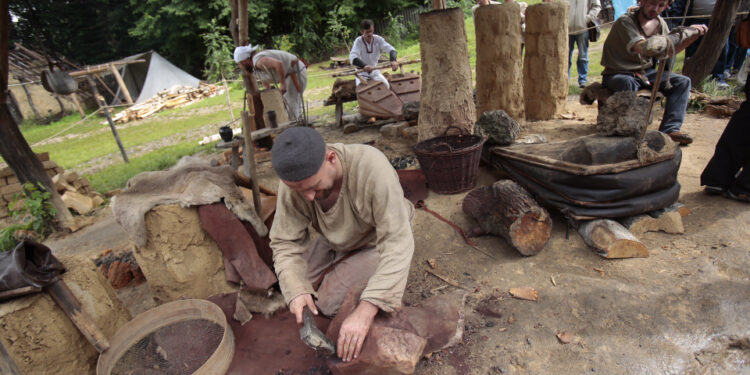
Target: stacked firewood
(166, 99)
(76, 192)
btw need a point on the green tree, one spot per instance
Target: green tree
(219, 49)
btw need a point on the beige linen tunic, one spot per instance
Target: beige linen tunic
(617, 55)
(370, 210)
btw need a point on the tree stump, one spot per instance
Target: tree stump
(612, 240)
(499, 59)
(507, 210)
(447, 97)
(545, 76)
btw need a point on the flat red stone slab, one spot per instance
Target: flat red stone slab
(269, 346)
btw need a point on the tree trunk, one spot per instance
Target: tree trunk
(545, 76)
(13, 147)
(702, 63)
(447, 97)
(507, 210)
(612, 240)
(499, 85)
(233, 25)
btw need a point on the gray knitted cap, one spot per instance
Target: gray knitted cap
(298, 153)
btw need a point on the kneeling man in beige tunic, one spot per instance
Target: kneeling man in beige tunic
(351, 196)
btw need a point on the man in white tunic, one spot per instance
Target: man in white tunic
(277, 67)
(351, 196)
(366, 51)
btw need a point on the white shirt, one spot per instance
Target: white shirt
(369, 53)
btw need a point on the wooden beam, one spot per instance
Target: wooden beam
(249, 155)
(69, 304)
(77, 102)
(13, 147)
(101, 68)
(438, 4)
(120, 82)
(103, 105)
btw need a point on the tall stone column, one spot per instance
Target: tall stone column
(545, 74)
(499, 59)
(447, 97)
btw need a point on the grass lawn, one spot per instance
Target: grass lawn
(83, 142)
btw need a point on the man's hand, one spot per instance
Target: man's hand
(369, 68)
(354, 330)
(266, 85)
(394, 65)
(702, 29)
(299, 303)
(283, 91)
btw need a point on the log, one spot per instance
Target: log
(72, 307)
(499, 85)
(612, 240)
(447, 96)
(507, 210)
(702, 63)
(545, 76)
(639, 224)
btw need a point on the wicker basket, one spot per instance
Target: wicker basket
(450, 162)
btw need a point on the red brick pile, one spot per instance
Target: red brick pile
(120, 268)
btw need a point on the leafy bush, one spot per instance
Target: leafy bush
(219, 51)
(395, 30)
(31, 210)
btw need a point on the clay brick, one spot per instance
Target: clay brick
(97, 200)
(12, 180)
(393, 130)
(50, 172)
(59, 170)
(5, 172)
(78, 202)
(43, 156)
(4, 211)
(411, 133)
(3, 181)
(385, 351)
(49, 164)
(10, 189)
(119, 274)
(70, 177)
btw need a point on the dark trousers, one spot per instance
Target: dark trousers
(729, 168)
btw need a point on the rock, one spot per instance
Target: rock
(97, 200)
(385, 351)
(78, 202)
(624, 114)
(499, 128)
(350, 128)
(594, 92)
(393, 130)
(640, 224)
(410, 111)
(532, 139)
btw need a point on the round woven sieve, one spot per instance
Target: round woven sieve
(181, 337)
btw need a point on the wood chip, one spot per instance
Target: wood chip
(566, 337)
(528, 294)
(503, 329)
(432, 262)
(511, 319)
(447, 279)
(601, 271)
(552, 279)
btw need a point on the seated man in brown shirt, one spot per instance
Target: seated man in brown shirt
(351, 196)
(629, 65)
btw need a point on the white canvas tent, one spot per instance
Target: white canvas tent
(145, 79)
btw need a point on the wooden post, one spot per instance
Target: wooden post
(447, 96)
(120, 82)
(545, 75)
(233, 22)
(499, 85)
(339, 114)
(438, 4)
(30, 100)
(102, 104)
(13, 147)
(702, 63)
(249, 155)
(77, 102)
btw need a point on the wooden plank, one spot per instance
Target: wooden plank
(19, 292)
(120, 82)
(64, 298)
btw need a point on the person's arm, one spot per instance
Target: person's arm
(277, 66)
(595, 6)
(289, 237)
(392, 53)
(355, 54)
(660, 49)
(385, 205)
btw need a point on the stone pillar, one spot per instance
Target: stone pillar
(499, 59)
(545, 75)
(447, 97)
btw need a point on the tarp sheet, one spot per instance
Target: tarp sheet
(145, 79)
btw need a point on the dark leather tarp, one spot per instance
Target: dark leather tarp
(604, 195)
(28, 264)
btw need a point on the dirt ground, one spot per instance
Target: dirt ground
(683, 310)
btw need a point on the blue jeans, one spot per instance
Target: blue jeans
(582, 40)
(677, 96)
